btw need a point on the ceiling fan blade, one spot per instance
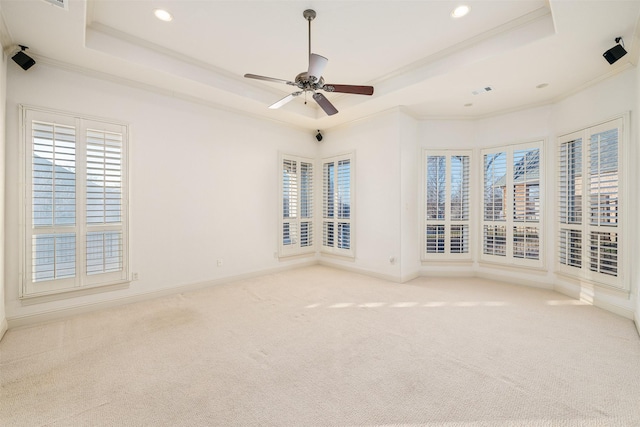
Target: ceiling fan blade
(324, 103)
(317, 64)
(268, 79)
(359, 90)
(284, 100)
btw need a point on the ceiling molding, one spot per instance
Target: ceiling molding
(107, 77)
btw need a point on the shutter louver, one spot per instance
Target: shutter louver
(460, 188)
(495, 174)
(526, 203)
(306, 204)
(495, 240)
(436, 193)
(104, 177)
(570, 173)
(435, 239)
(495, 181)
(604, 178)
(336, 206)
(604, 253)
(570, 247)
(53, 203)
(459, 239)
(54, 256)
(570, 202)
(290, 202)
(104, 252)
(54, 175)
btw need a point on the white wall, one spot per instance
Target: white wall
(204, 184)
(410, 177)
(376, 145)
(3, 92)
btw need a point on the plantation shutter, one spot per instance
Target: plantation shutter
(603, 202)
(53, 203)
(75, 228)
(103, 203)
(526, 203)
(446, 208)
(512, 219)
(337, 205)
(589, 208)
(570, 190)
(306, 204)
(495, 181)
(297, 205)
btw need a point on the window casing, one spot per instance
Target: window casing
(512, 213)
(589, 204)
(296, 190)
(337, 205)
(446, 225)
(75, 203)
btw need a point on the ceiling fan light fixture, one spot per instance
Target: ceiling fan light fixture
(311, 80)
(163, 15)
(460, 11)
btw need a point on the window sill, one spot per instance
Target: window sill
(40, 298)
(540, 269)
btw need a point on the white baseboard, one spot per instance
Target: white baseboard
(407, 277)
(56, 314)
(4, 327)
(636, 320)
(508, 278)
(462, 272)
(574, 291)
(358, 270)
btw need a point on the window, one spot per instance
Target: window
(446, 207)
(589, 201)
(297, 206)
(511, 224)
(75, 203)
(337, 205)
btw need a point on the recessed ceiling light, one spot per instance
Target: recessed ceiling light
(460, 11)
(163, 15)
(542, 85)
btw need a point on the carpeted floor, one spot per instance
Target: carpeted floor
(322, 347)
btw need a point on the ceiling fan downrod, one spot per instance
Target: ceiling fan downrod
(309, 15)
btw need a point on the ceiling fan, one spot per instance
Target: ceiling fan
(312, 80)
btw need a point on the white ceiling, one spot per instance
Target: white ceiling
(415, 54)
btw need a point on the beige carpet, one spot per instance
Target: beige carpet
(322, 347)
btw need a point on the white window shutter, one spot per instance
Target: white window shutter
(75, 233)
(337, 205)
(512, 212)
(446, 205)
(589, 208)
(296, 189)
